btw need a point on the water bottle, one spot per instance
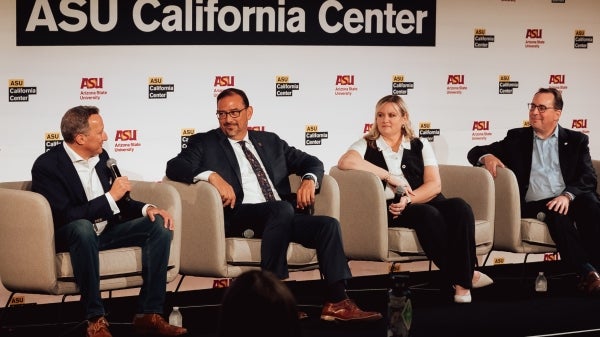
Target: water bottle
(399, 306)
(541, 284)
(175, 317)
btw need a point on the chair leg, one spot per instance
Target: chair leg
(179, 283)
(487, 256)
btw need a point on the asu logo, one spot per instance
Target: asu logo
(15, 83)
(526, 123)
(311, 128)
(256, 128)
(533, 34)
(398, 78)
(187, 132)
(579, 124)
(224, 81)
(92, 83)
(221, 283)
(282, 79)
(155, 80)
(367, 127)
(504, 78)
(456, 79)
(481, 125)
(479, 31)
(557, 79)
(344, 80)
(580, 32)
(124, 135)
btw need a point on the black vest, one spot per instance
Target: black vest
(412, 165)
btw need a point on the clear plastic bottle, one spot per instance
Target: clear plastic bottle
(541, 283)
(175, 317)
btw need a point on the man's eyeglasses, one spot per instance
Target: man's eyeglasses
(541, 108)
(232, 113)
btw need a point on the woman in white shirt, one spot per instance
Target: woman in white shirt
(445, 226)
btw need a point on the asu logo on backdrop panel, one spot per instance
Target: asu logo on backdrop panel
(580, 125)
(533, 38)
(91, 88)
(157, 89)
(505, 85)
(481, 40)
(582, 40)
(425, 131)
(126, 140)
(400, 86)
(312, 135)
(345, 85)
(283, 86)
(185, 136)
(480, 130)
(18, 92)
(51, 139)
(558, 81)
(455, 84)
(221, 83)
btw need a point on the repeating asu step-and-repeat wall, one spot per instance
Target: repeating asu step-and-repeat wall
(313, 71)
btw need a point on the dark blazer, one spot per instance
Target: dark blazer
(212, 151)
(54, 176)
(515, 152)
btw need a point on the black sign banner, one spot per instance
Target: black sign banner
(226, 22)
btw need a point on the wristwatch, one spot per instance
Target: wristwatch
(311, 177)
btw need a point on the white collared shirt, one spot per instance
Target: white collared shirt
(86, 169)
(393, 159)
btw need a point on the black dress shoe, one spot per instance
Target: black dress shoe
(590, 283)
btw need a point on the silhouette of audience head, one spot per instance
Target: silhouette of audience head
(258, 304)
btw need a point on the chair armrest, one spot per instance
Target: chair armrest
(363, 214)
(27, 248)
(166, 197)
(507, 233)
(473, 184)
(203, 229)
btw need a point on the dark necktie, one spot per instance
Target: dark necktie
(260, 173)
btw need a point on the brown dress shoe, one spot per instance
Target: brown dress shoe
(346, 311)
(154, 324)
(590, 284)
(98, 328)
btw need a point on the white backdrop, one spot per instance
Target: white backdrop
(467, 113)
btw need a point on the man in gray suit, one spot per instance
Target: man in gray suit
(250, 170)
(554, 171)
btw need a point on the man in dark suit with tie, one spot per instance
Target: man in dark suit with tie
(554, 171)
(250, 170)
(92, 211)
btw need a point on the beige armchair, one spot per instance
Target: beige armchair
(513, 233)
(363, 213)
(30, 264)
(206, 252)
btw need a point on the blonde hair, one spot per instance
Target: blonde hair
(400, 106)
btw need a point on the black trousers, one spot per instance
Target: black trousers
(576, 234)
(446, 231)
(277, 224)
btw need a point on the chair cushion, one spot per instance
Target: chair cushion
(484, 234)
(401, 239)
(247, 252)
(113, 263)
(535, 232)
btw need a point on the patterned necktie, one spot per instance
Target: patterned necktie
(260, 173)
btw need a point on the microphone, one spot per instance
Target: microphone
(111, 163)
(400, 192)
(248, 233)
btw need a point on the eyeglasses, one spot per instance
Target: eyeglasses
(541, 108)
(232, 113)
